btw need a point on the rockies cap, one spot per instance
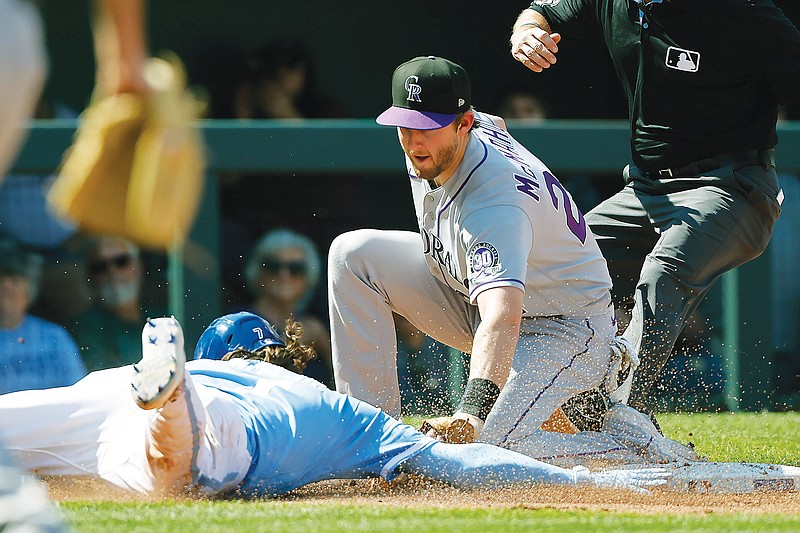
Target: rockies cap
(427, 94)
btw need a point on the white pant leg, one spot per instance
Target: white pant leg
(92, 428)
(555, 359)
(22, 72)
(370, 274)
(198, 441)
(95, 429)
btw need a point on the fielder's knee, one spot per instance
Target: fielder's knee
(349, 246)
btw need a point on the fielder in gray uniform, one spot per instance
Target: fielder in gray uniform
(503, 267)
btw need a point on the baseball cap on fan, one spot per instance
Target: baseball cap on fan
(427, 94)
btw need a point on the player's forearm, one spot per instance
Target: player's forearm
(493, 349)
(492, 354)
(120, 45)
(529, 18)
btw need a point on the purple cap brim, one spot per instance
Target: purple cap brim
(415, 120)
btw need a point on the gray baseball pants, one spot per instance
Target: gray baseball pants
(373, 273)
(666, 242)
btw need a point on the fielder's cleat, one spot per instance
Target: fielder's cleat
(160, 372)
(646, 409)
(633, 429)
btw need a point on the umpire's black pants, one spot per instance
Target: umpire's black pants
(667, 240)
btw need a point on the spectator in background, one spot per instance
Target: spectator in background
(119, 41)
(518, 103)
(34, 353)
(109, 332)
(282, 274)
(279, 82)
(26, 219)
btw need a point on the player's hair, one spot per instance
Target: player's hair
(294, 356)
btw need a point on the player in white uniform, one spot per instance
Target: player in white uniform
(504, 268)
(213, 426)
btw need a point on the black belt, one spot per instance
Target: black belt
(765, 158)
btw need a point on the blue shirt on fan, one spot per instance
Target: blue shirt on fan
(38, 355)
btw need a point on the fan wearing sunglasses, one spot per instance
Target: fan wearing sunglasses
(108, 333)
(282, 274)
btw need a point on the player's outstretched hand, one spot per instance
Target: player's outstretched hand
(637, 480)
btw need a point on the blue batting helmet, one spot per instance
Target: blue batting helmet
(238, 330)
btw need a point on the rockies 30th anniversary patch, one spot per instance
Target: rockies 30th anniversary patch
(484, 259)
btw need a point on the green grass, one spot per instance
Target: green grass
(286, 517)
(762, 437)
(749, 437)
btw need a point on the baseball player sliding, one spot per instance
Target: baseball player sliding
(504, 267)
(234, 421)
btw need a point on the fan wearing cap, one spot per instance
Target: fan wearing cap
(34, 353)
(503, 268)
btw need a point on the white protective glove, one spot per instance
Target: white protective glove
(637, 480)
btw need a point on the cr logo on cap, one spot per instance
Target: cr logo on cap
(413, 89)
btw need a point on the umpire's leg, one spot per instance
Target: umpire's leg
(372, 273)
(702, 233)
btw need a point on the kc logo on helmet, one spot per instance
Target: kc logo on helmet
(413, 89)
(680, 59)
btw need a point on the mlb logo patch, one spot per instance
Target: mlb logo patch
(682, 59)
(547, 2)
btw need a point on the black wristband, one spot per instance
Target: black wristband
(479, 397)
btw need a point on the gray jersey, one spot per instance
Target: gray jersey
(503, 219)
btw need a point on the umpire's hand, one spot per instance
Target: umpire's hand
(534, 46)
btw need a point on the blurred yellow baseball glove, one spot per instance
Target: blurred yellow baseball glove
(136, 164)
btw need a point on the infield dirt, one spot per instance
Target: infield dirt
(418, 493)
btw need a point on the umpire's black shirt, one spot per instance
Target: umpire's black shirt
(702, 77)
